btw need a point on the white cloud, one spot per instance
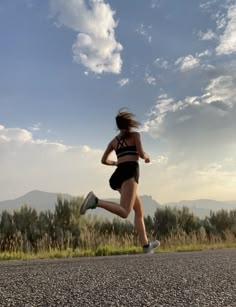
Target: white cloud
(221, 20)
(29, 163)
(95, 47)
(186, 180)
(155, 4)
(86, 148)
(123, 82)
(161, 63)
(150, 79)
(164, 105)
(221, 89)
(199, 135)
(160, 159)
(220, 93)
(209, 35)
(187, 63)
(36, 127)
(205, 5)
(227, 44)
(144, 31)
(15, 135)
(204, 53)
(198, 129)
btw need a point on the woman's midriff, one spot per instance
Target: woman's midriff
(127, 159)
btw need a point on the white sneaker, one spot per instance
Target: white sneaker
(151, 246)
(90, 202)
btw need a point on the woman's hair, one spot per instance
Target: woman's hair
(126, 121)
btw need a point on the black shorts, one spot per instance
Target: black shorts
(124, 171)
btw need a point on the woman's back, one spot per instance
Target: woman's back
(125, 147)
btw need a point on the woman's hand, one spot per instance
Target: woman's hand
(110, 162)
(146, 158)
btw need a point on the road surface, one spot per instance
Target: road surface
(175, 279)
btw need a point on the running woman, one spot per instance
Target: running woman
(128, 148)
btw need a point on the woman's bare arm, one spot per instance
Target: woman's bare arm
(106, 154)
(142, 154)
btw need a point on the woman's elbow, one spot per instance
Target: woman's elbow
(103, 161)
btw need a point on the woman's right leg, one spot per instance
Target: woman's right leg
(148, 247)
(139, 221)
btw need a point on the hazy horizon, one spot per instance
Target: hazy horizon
(68, 66)
(116, 196)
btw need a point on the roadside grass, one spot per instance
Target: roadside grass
(109, 250)
(93, 244)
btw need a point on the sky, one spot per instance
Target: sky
(68, 66)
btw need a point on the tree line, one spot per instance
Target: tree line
(27, 230)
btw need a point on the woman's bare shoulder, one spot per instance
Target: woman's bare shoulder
(135, 134)
(113, 141)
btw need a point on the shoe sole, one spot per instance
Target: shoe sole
(83, 207)
(152, 251)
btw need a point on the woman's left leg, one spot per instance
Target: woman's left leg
(127, 199)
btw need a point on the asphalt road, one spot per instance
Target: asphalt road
(176, 279)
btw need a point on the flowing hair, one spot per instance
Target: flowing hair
(125, 121)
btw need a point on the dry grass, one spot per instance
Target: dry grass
(93, 244)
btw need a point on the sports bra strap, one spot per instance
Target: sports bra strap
(121, 143)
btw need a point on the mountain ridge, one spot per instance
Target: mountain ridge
(41, 201)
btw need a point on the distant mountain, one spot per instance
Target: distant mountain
(42, 201)
(35, 199)
(202, 207)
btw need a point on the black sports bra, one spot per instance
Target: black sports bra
(123, 149)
